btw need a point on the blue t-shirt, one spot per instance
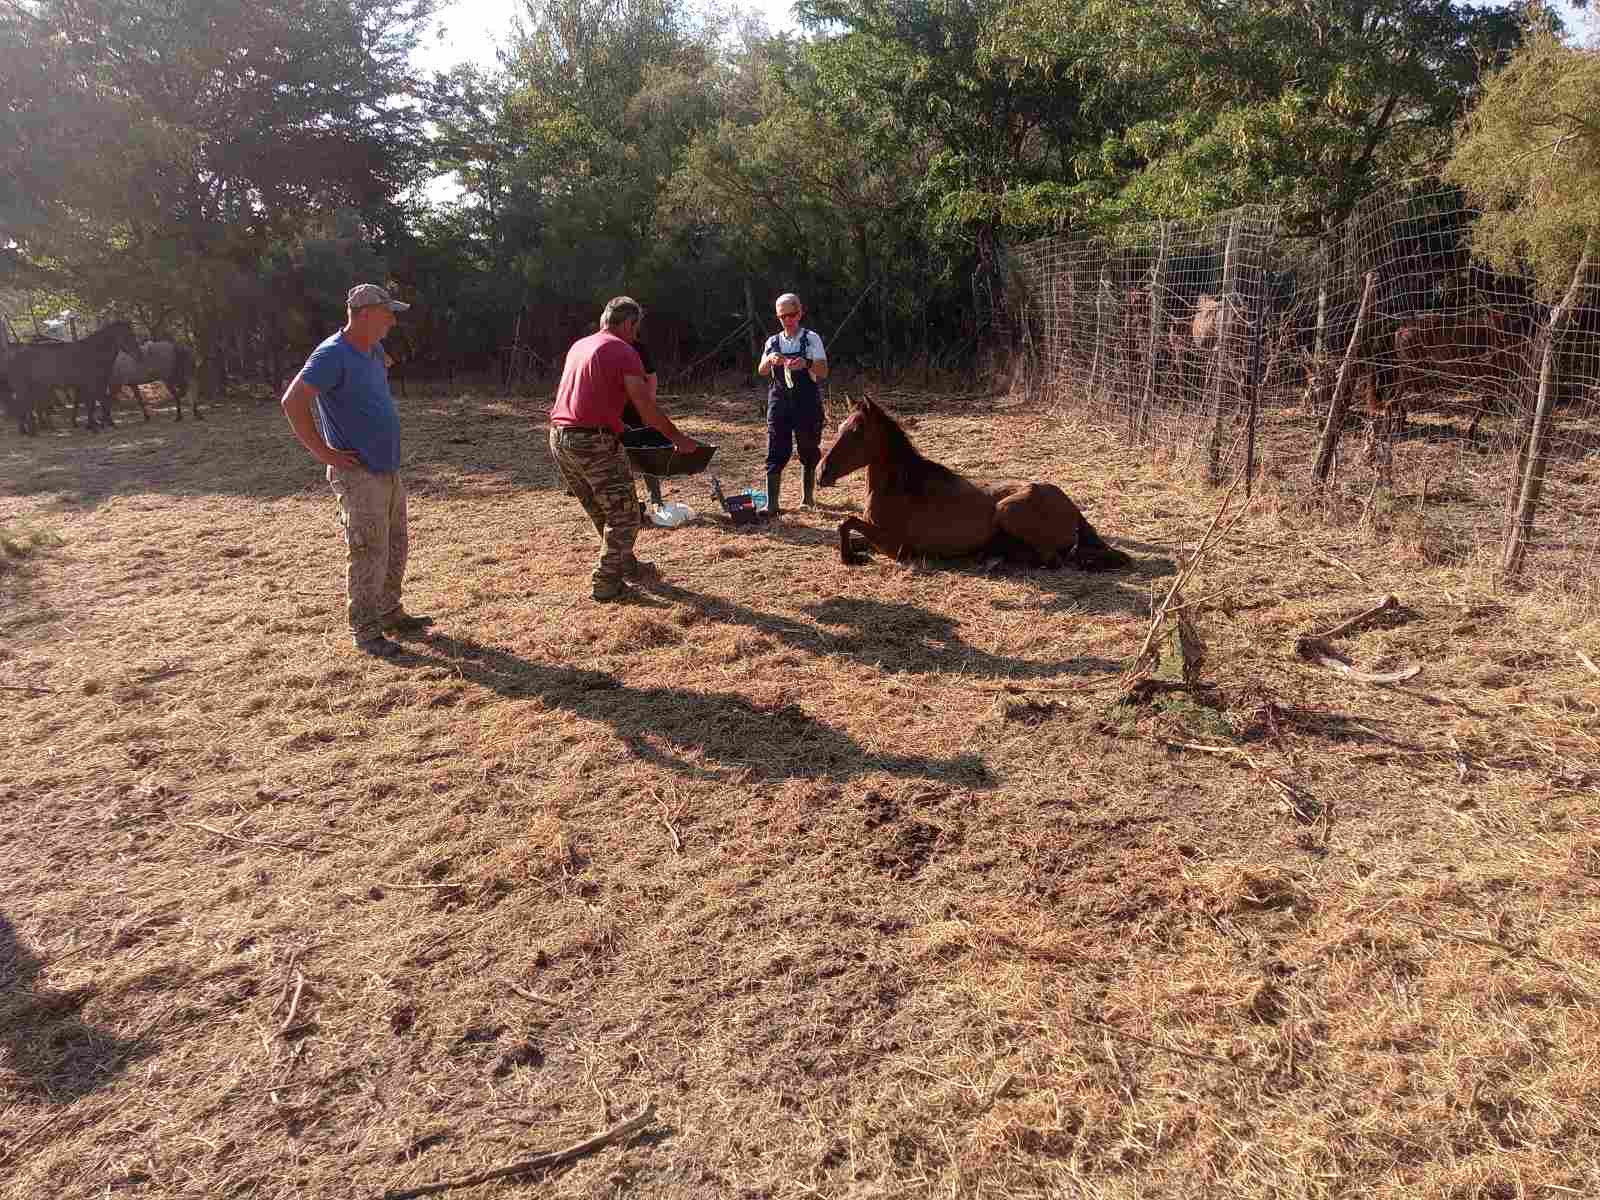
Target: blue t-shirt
(354, 405)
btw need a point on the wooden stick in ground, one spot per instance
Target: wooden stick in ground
(619, 1133)
(1389, 604)
(1341, 392)
(1158, 617)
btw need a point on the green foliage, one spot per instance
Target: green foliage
(1529, 155)
(154, 149)
(1307, 107)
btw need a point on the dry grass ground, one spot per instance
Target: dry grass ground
(858, 873)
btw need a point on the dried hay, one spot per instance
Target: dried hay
(859, 874)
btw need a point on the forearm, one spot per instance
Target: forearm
(653, 416)
(819, 369)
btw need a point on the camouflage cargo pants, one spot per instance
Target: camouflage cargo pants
(372, 509)
(595, 468)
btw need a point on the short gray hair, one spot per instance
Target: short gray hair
(789, 298)
(620, 310)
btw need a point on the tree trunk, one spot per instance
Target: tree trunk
(1341, 391)
(755, 331)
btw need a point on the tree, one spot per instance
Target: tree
(999, 117)
(1306, 105)
(1529, 155)
(157, 148)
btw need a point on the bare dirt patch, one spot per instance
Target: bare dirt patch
(859, 874)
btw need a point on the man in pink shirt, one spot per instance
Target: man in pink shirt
(603, 373)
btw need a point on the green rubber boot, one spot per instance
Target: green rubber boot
(808, 483)
(774, 482)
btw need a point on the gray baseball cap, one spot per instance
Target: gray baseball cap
(365, 295)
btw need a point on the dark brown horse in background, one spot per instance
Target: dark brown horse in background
(82, 367)
(917, 506)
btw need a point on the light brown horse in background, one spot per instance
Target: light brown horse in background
(917, 506)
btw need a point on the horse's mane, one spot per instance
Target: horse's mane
(914, 470)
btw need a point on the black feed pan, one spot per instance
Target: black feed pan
(652, 454)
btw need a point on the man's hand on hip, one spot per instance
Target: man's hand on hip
(340, 460)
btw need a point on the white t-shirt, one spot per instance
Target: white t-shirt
(810, 346)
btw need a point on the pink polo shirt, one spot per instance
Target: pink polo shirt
(592, 392)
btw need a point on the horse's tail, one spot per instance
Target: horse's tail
(1094, 555)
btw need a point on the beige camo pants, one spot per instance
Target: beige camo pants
(595, 468)
(372, 509)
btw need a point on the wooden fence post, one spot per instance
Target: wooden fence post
(1253, 384)
(1318, 390)
(1158, 321)
(1219, 367)
(1341, 392)
(1528, 482)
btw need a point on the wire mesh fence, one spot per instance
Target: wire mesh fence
(1383, 362)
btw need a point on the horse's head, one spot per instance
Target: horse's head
(122, 334)
(858, 444)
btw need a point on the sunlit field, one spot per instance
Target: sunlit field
(869, 879)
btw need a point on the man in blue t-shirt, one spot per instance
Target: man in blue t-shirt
(355, 433)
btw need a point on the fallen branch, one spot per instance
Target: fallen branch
(1586, 661)
(294, 1004)
(534, 996)
(1133, 1037)
(37, 691)
(1314, 650)
(233, 837)
(1389, 603)
(619, 1133)
(419, 887)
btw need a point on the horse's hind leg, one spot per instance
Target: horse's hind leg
(1045, 519)
(1042, 518)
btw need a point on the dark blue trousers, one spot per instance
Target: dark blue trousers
(794, 426)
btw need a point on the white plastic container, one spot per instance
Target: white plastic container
(671, 515)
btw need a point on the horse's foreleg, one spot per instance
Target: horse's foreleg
(875, 536)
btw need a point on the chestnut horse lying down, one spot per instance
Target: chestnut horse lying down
(916, 506)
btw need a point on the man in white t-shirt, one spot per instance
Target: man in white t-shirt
(796, 363)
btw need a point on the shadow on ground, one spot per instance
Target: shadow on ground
(669, 726)
(48, 1048)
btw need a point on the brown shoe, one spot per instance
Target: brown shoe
(610, 593)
